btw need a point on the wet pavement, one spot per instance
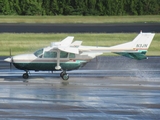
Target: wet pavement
(116, 88)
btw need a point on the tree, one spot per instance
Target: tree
(100, 7)
(134, 7)
(151, 7)
(5, 7)
(54, 7)
(67, 8)
(46, 7)
(79, 7)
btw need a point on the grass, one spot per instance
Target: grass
(28, 42)
(80, 19)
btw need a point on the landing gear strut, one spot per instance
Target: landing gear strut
(64, 75)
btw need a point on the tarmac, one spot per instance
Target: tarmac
(79, 28)
(106, 88)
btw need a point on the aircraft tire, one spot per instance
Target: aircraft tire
(65, 76)
(25, 76)
(61, 74)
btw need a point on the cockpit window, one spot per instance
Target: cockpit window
(39, 53)
(71, 55)
(50, 54)
(63, 54)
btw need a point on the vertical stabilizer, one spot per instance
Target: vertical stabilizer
(143, 41)
(137, 48)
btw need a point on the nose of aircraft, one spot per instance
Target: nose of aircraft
(8, 59)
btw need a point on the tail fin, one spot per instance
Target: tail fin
(143, 41)
(138, 47)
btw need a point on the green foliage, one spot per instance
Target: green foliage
(80, 7)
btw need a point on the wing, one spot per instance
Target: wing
(76, 43)
(67, 41)
(73, 48)
(66, 45)
(69, 49)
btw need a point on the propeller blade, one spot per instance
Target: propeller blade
(11, 59)
(11, 65)
(10, 53)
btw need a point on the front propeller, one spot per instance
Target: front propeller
(10, 60)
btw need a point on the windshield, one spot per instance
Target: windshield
(38, 53)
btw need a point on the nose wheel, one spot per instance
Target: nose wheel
(64, 75)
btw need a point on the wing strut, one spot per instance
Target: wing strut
(58, 67)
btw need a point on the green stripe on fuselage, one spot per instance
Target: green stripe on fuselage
(49, 66)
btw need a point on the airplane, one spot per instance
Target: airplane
(67, 55)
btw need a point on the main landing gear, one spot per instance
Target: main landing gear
(25, 76)
(64, 75)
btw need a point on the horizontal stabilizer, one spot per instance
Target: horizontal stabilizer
(138, 56)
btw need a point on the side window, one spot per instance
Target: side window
(50, 54)
(39, 53)
(71, 55)
(63, 54)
